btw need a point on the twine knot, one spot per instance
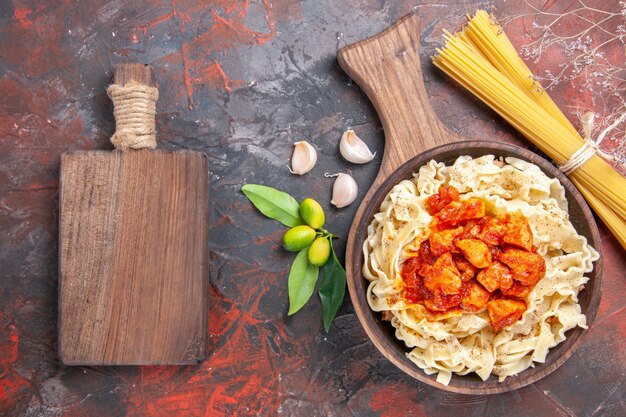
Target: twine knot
(134, 110)
(590, 147)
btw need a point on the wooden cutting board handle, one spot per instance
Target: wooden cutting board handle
(127, 72)
(134, 106)
(387, 68)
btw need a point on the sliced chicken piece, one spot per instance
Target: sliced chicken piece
(476, 299)
(443, 276)
(457, 212)
(495, 276)
(504, 311)
(471, 230)
(473, 208)
(528, 267)
(468, 271)
(492, 230)
(442, 302)
(475, 251)
(518, 232)
(517, 290)
(442, 242)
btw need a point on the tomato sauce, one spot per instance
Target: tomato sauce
(472, 260)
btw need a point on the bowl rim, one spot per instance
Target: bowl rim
(372, 322)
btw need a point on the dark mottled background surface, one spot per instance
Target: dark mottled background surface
(242, 80)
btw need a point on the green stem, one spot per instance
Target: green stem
(325, 233)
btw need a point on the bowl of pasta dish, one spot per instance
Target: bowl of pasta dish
(476, 267)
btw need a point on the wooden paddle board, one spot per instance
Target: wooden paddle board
(133, 248)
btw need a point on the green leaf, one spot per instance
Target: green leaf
(302, 278)
(274, 204)
(332, 288)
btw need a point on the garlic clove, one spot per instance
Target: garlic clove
(345, 191)
(304, 158)
(353, 149)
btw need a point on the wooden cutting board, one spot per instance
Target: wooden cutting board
(133, 247)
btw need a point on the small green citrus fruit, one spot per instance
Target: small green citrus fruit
(312, 213)
(298, 238)
(319, 252)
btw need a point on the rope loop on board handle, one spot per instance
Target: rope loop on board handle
(134, 110)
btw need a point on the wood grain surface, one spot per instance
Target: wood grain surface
(132, 253)
(127, 72)
(133, 248)
(387, 67)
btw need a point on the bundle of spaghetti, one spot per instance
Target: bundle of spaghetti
(483, 60)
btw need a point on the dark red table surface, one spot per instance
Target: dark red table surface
(241, 81)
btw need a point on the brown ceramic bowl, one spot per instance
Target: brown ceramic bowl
(382, 333)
